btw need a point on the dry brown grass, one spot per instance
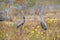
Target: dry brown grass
(31, 30)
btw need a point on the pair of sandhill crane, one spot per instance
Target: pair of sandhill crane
(43, 24)
(22, 21)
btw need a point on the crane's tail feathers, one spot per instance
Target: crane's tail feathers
(17, 26)
(45, 28)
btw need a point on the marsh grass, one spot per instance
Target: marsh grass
(31, 30)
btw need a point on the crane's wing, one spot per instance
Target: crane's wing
(43, 25)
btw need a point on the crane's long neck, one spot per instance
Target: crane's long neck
(41, 18)
(41, 15)
(24, 18)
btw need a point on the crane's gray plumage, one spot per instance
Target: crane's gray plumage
(21, 22)
(43, 26)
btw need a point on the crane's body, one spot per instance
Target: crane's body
(21, 22)
(43, 26)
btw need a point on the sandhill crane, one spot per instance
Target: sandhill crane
(42, 22)
(21, 22)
